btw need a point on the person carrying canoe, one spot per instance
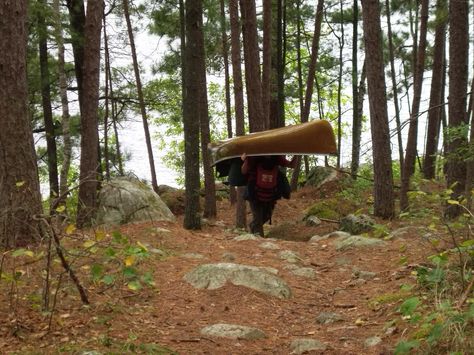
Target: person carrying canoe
(264, 186)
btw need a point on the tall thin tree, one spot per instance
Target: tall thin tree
(87, 203)
(65, 117)
(411, 152)
(141, 101)
(310, 81)
(458, 73)
(384, 205)
(19, 188)
(436, 94)
(393, 77)
(192, 66)
(46, 103)
(240, 218)
(252, 65)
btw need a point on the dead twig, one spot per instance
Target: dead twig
(465, 295)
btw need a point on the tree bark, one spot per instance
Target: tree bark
(394, 84)
(383, 178)
(252, 65)
(267, 61)
(210, 208)
(310, 82)
(192, 219)
(357, 124)
(77, 19)
(458, 73)
(146, 129)
(19, 188)
(65, 121)
(87, 204)
(46, 103)
(240, 216)
(410, 156)
(228, 105)
(436, 95)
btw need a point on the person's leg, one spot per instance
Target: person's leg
(256, 226)
(268, 212)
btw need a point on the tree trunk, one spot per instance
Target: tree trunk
(146, 129)
(436, 97)
(107, 102)
(87, 203)
(339, 87)
(277, 79)
(252, 65)
(310, 82)
(410, 156)
(240, 217)
(19, 189)
(267, 61)
(210, 208)
(192, 219)
(458, 73)
(357, 124)
(77, 19)
(67, 144)
(383, 178)
(394, 84)
(228, 105)
(46, 103)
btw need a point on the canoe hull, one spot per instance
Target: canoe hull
(315, 137)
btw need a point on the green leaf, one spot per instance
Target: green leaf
(21, 252)
(408, 307)
(97, 271)
(404, 347)
(147, 278)
(61, 209)
(129, 272)
(134, 285)
(435, 333)
(108, 279)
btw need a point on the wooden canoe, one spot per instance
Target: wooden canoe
(314, 137)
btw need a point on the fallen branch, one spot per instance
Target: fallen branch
(465, 295)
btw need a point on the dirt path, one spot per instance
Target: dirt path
(361, 286)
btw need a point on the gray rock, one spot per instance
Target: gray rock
(193, 256)
(300, 346)
(357, 224)
(328, 317)
(364, 275)
(321, 175)
(125, 200)
(357, 241)
(246, 236)
(372, 341)
(313, 221)
(233, 331)
(316, 238)
(337, 234)
(270, 246)
(289, 256)
(301, 271)
(90, 352)
(158, 252)
(400, 232)
(213, 276)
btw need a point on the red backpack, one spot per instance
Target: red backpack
(266, 183)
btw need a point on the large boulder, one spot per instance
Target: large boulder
(357, 224)
(126, 200)
(214, 276)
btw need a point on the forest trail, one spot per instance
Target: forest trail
(345, 300)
